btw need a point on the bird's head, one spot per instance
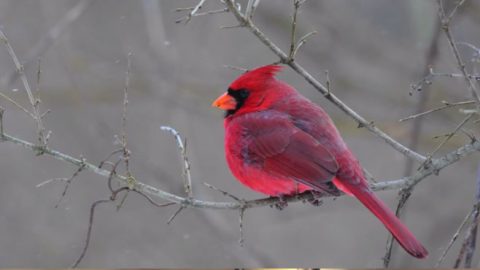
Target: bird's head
(250, 91)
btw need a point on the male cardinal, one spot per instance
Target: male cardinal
(279, 143)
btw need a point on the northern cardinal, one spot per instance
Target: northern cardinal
(279, 143)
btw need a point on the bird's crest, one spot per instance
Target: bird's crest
(256, 76)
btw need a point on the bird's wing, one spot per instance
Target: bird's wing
(287, 151)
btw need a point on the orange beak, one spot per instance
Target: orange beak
(225, 102)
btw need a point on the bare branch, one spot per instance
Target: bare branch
(446, 106)
(450, 135)
(7, 98)
(250, 9)
(241, 216)
(33, 101)
(192, 13)
(474, 226)
(105, 160)
(175, 214)
(434, 167)
(224, 193)
(69, 181)
(186, 164)
(448, 33)
(469, 243)
(454, 238)
(302, 41)
(126, 152)
(2, 110)
(46, 182)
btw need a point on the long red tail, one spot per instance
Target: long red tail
(404, 237)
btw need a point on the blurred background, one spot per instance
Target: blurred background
(373, 50)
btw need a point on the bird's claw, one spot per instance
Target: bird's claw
(281, 203)
(315, 200)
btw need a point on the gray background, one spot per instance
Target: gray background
(373, 49)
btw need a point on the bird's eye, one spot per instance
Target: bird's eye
(243, 93)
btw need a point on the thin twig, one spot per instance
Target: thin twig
(217, 11)
(90, 222)
(192, 13)
(126, 152)
(448, 33)
(68, 182)
(39, 73)
(89, 232)
(251, 7)
(2, 110)
(241, 216)
(302, 41)
(186, 164)
(224, 193)
(454, 10)
(469, 243)
(150, 200)
(471, 246)
(296, 6)
(454, 238)
(175, 214)
(46, 182)
(33, 101)
(7, 98)
(105, 160)
(446, 106)
(404, 195)
(450, 135)
(113, 172)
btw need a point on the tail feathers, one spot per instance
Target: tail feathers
(399, 231)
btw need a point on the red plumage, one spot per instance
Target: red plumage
(278, 143)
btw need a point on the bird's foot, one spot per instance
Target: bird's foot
(315, 200)
(282, 202)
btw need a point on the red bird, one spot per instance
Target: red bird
(279, 143)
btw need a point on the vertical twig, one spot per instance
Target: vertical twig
(445, 21)
(404, 195)
(294, 46)
(68, 181)
(250, 9)
(473, 237)
(2, 110)
(469, 244)
(294, 28)
(241, 216)
(186, 163)
(126, 152)
(454, 238)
